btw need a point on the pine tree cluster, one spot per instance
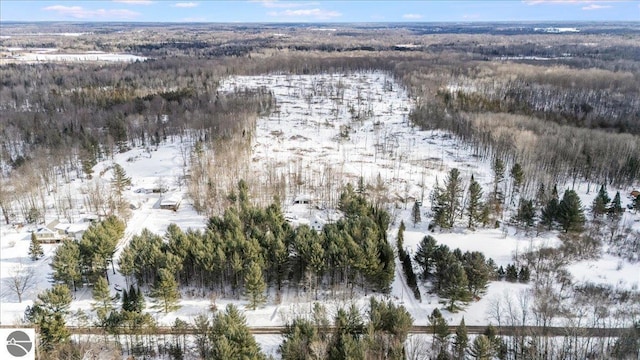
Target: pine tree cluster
(457, 276)
(88, 260)
(248, 249)
(512, 274)
(379, 335)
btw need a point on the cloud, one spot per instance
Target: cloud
(595, 7)
(275, 4)
(186, 4)
(412, 16)
(310, 13)
(134, 2)
(78, 12)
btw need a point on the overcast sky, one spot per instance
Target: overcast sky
(319, 11)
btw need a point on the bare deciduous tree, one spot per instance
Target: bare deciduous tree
(21, 279)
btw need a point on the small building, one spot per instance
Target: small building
(634, 194)
(170, 203)
(302, 199)
(75, 231)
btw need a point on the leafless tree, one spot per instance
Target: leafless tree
(21, 279)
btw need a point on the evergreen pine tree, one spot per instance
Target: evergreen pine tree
(98, 244)
(498, 347)
(415, 214)
(492, 268)
(48, 313)
(455, 286)
(120, 181)
(133, 300)
(524, 274)
(125, 300)
(348, 327)
(400, 240)
(442, 260)
(361, 186)
(636, 203)
(501, 273)
(511, 273)
(412, 280)
(517, 174)
(550, 211)
(601, 202)
(615, 210)
(526, 213)
(570, 213)
(298, 340)
(475, 206)
(477, 270)
(461, 341)
(103, 302)
(230, 337)
(87, 163)
(481, 348)
(55, 300)
(165, 292)
(35, 248)
(425, 255)
(440, 328)
(449, 200)
(497, 196)
(485, 215)
(443, 354)
(66, 263)
(255, 286)
(434, 195)
(137, 301)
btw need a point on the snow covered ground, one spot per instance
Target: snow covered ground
(328, 130)
(34, 55)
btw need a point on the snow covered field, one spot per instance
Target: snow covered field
(328, 130)
(34, 55)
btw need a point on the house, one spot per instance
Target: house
(45, 235)
(171, 202)
(634, 194)
(65, 230)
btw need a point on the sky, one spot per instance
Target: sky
(275, 11)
